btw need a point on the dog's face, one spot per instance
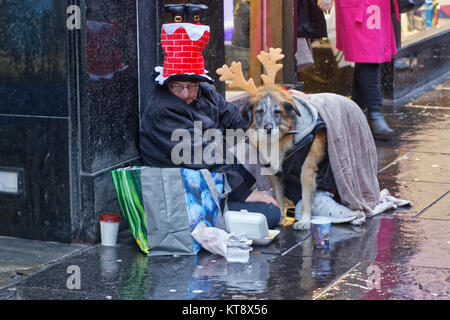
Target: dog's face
(272, 110)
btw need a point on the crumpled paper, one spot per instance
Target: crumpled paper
(212, 239)
(217, 241)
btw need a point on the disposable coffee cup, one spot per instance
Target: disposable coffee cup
(321, 227)
(109, 228)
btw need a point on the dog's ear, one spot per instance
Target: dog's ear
(247, 114)
(291, 110)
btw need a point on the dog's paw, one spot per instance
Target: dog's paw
(302, 225)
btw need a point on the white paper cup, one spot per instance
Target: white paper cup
(321, 227)
(109, 228)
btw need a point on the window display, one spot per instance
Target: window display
(237, 33)
(252, 26)
(430, 19)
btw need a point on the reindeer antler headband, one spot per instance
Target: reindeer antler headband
(236, 78)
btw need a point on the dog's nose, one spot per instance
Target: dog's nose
(268, 127)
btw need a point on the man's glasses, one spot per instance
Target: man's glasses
(179, 88)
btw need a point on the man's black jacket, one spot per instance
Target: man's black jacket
(166, 112)
(311, 22)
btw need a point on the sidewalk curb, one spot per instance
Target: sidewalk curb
(418, 92)
(17, 276)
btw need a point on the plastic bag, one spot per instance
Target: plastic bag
(217, 241)
(212, 239)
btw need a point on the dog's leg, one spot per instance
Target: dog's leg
(308, 179)
(278, 193)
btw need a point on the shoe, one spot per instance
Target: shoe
(325, 206)
(193, 12)
(378, 125)
(177, 11)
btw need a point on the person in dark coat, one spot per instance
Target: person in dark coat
(177, 105)
(185, 97)
(311, 22)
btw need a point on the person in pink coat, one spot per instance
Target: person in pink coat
(365, 34)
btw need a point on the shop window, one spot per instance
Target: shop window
(430, 19)
(251, 26)
(237, 33)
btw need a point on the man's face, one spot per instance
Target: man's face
(187, 91)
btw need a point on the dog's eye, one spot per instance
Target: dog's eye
(277, 112)
(259, 111)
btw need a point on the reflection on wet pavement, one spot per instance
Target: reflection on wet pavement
(396, 282)
(408, 253)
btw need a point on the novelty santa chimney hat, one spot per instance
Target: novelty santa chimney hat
(183, 41)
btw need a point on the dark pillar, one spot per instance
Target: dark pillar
(34, 126)
(149, 27)
(69, 114)
(71, 87)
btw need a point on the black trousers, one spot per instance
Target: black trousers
(367, 85)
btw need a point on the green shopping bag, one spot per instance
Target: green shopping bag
(164, 205)
(128, 187)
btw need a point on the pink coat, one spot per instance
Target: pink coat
(364, 30)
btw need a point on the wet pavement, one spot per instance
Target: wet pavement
(396, 255)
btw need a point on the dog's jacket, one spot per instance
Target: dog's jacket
(307, 126)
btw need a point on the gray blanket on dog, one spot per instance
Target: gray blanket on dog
(352, 152)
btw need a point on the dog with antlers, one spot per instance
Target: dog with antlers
(273, 109)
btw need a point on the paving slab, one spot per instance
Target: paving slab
(440, 96)
(19, 254)
(421, 242)
(439, 210)
(434, 141)
(421, 194)
(416, 119)
(416, 130)
(419, 166)
(368, 281)
(22, 257)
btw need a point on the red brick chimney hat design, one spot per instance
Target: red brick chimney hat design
(183, 44)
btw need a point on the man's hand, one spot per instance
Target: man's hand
(299, 94)
(262, 196)
(325, 5)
